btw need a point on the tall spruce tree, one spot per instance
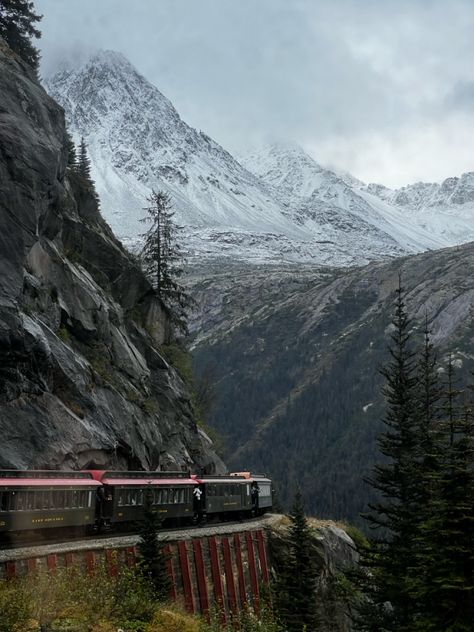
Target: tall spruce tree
(397, 482)
(296, 586)
(444, 587)
(162, 258)
(71, 153)
(17, 27)
(154, 558)
(83, 162)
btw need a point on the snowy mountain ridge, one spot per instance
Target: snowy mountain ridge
(275, 204)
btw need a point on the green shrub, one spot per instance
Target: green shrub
(64, 334)
(69, 600)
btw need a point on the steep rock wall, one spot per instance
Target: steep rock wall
(83, 381)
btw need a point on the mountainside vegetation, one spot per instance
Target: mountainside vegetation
(295, 357)
(417, 574)
(17, 28)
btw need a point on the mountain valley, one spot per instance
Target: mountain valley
(293, 356)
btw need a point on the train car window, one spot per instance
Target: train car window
(38, 500)
(19, 501)
(3, 501)
(61, 499)
(120, 497)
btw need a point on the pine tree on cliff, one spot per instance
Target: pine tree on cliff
(162, 258)
(295, 592)
(153, 557)
(84, 163)
(71, 153)
(17, 27)
(397, 482)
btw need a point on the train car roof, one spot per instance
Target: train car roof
(142, 479)
(54, 474)
(250, 477)
(48, 482)
(220, 479)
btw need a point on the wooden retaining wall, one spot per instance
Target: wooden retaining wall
(217, 571)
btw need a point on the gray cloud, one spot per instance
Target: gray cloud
(344, 78)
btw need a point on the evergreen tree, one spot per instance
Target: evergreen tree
(162, 258)
(151, 549)
(71, 153)
(17, 27)
(397, 481)
(84, 163)
(444, 587)
(296, 586)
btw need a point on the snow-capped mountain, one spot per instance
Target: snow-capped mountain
(335, 207)
(137, 141)
(445, 210)
(274, 205)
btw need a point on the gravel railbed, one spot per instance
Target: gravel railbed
(123, 541)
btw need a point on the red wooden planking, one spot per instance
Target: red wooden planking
(229, 575)
(31, 565)
(252, 568)
(111, 557)
(201, 576)
(52, 562)
(69, 559)
(240, 570)
(131, 556)
(90, 561)
(216, 578)
(186, 576)
(10, 570)
(171, 573)
(262, 554)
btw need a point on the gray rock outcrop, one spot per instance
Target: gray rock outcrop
(334, 554)
(83, 377)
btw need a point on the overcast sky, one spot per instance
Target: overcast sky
(381, 88)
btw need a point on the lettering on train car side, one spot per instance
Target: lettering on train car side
(52, 519)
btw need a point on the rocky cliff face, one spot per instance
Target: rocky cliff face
(83, 381)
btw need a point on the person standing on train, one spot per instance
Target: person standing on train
(197, 502)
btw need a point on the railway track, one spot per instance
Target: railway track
(24, 550)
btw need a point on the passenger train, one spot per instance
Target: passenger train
(96, 500)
